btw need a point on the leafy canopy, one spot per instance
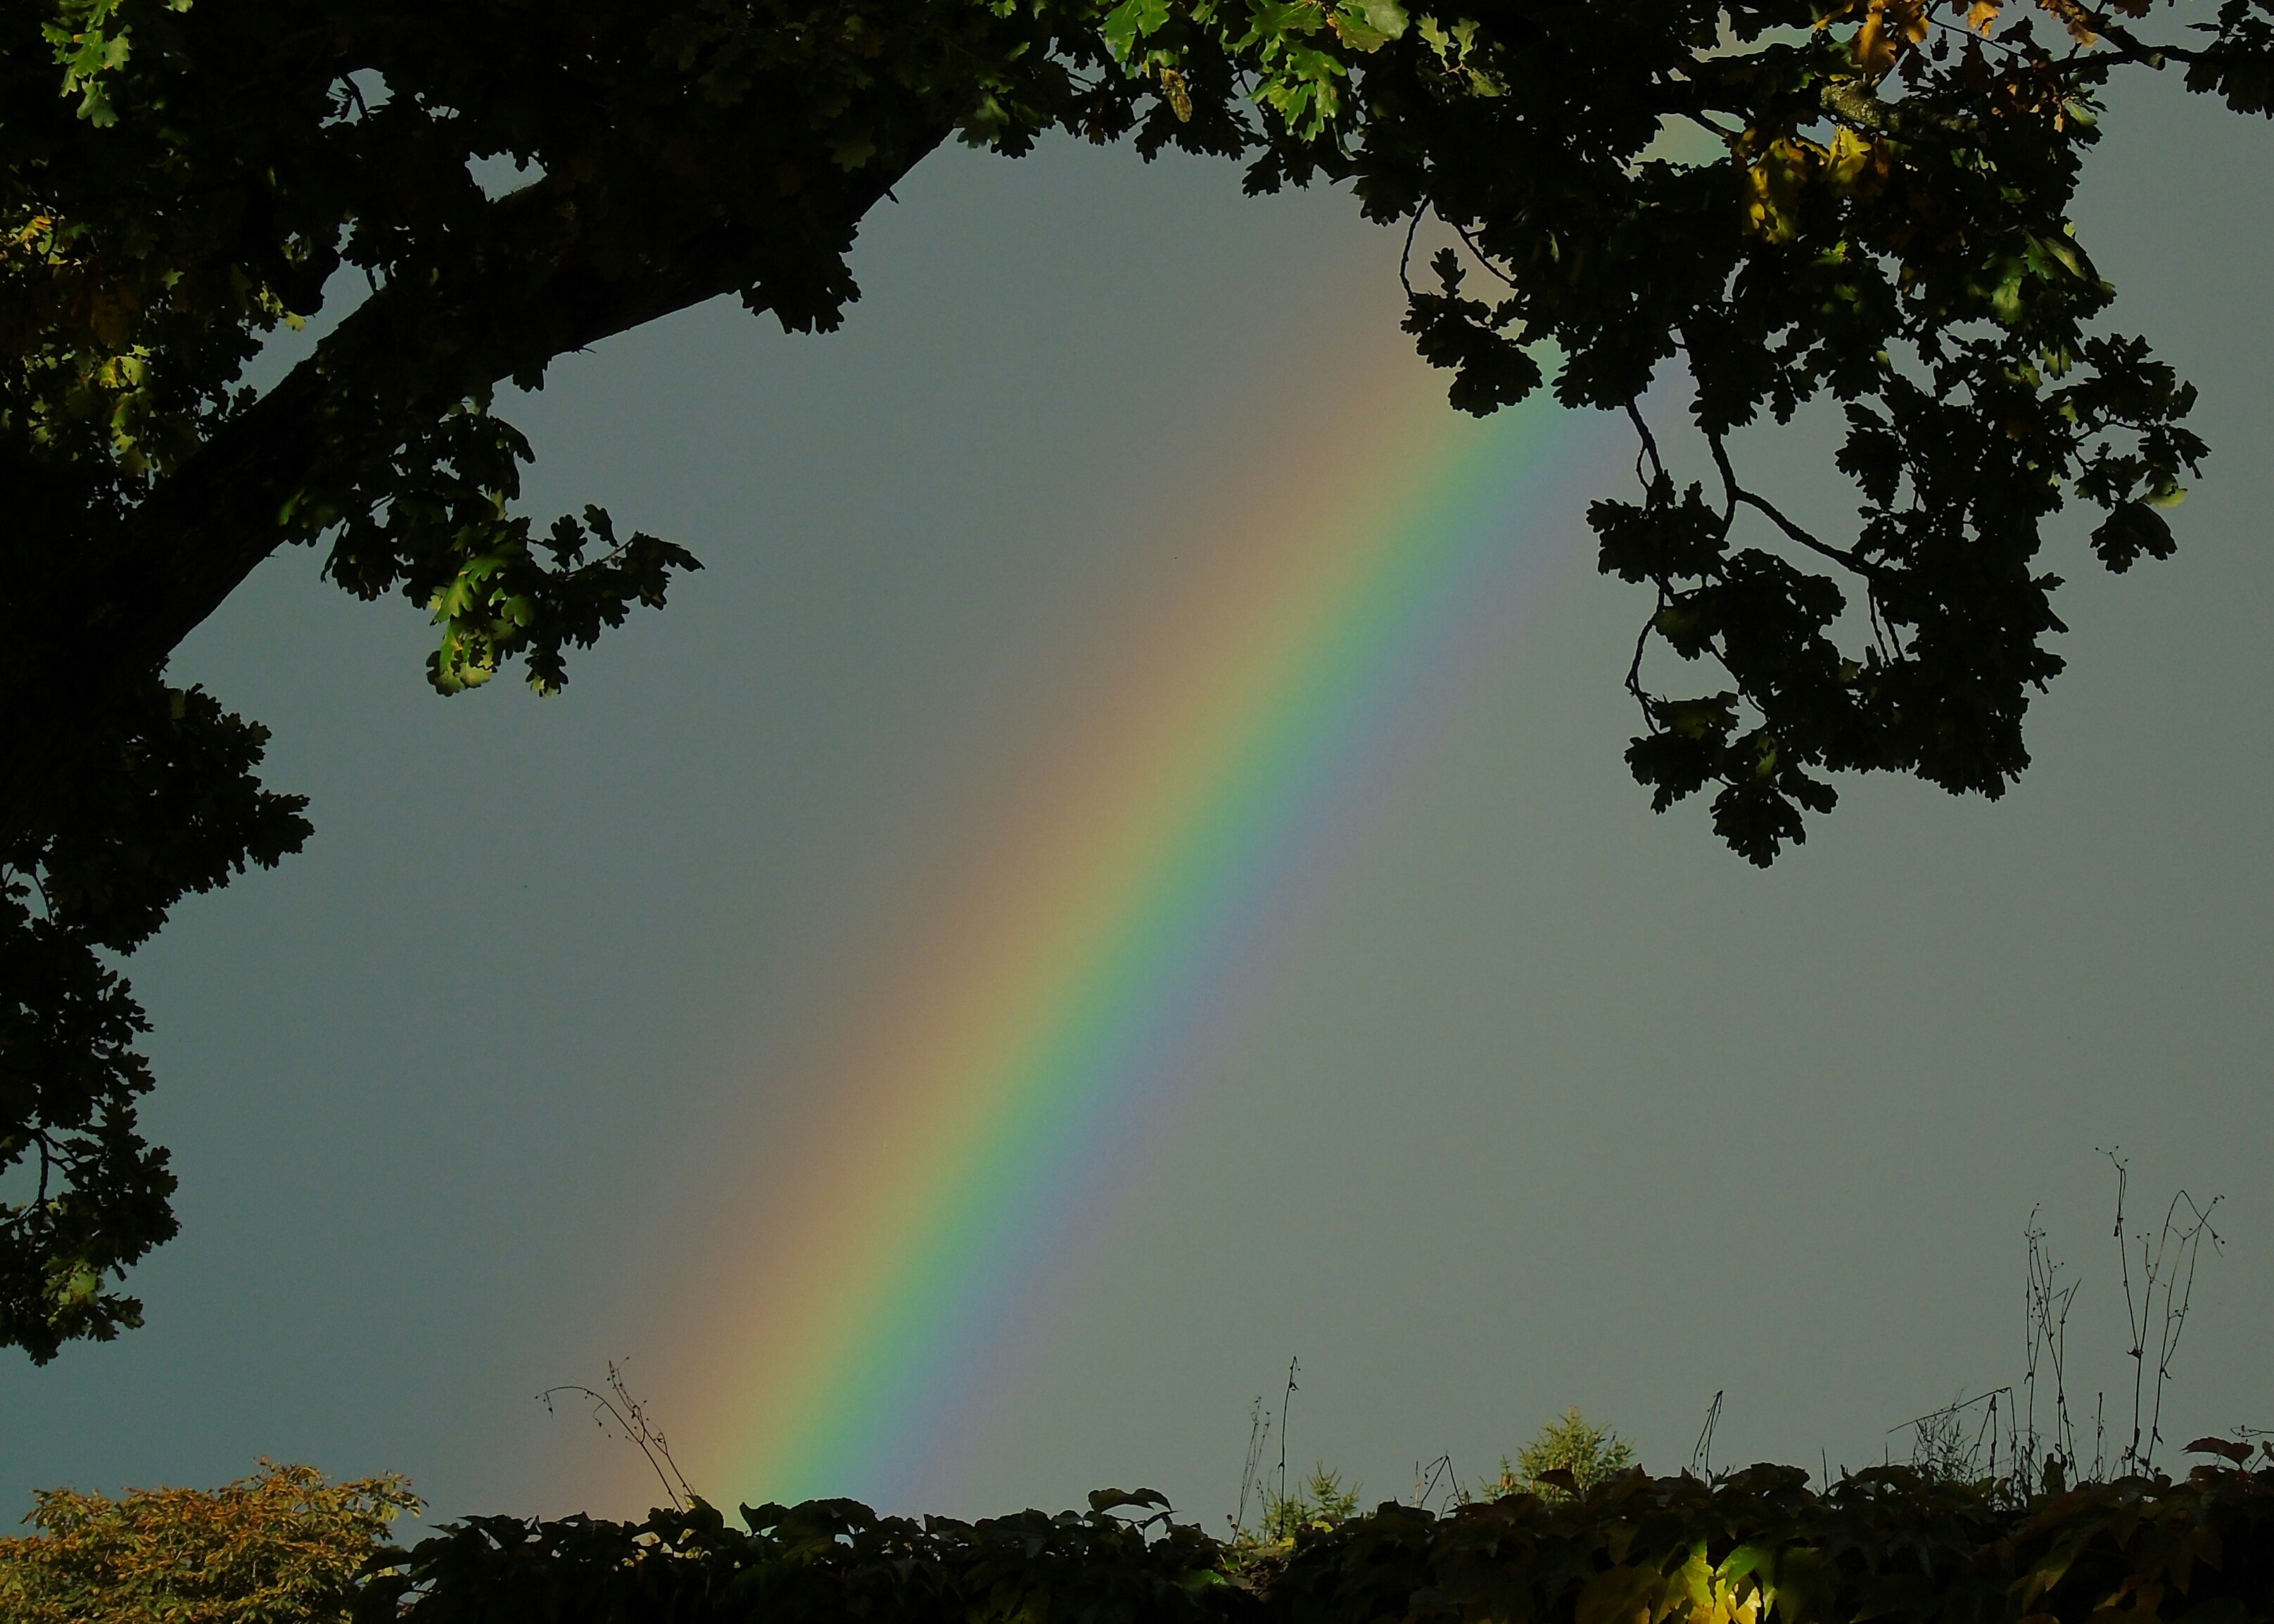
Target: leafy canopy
(282, 1544)
(1878, 222)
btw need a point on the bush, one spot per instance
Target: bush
(1570, 1444)
(1755, 1547)
(282, 1547)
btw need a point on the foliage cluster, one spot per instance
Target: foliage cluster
(1569, 1453)
(282, 1547)
(1318, 1500)
(1120, 1562)
(1758, 1546)
(1880, 224)
(206, 171)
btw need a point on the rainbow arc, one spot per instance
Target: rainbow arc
(1138, 880)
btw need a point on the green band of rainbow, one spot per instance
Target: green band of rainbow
(978, 1107)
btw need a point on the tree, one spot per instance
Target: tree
(1881, 222)
(1570, 1444)
(208, 169)
(281, 1544)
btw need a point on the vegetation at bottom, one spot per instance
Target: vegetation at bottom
(1896, 1542)
(1990, 1521)
(1569, 1455)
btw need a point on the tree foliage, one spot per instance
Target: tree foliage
(282, 1547)
(1879, 221)
(1883, 226)
(1566, 1455)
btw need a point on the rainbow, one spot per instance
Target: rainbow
(989, 1103)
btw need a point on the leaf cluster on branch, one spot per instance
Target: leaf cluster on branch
(214, 171)
(1874, 214)
(1879, 221)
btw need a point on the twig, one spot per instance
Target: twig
(1259, 1430)
(1701, 1458)
(1737, 494)
(1649, 443)
(631, 1418)
(1405, 255)
(1285, 1399)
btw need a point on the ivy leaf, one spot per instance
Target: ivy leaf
(1102, 1500)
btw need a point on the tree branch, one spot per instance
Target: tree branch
(205, 529)
(1739, 496)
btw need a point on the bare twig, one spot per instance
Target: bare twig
(1259, 1431)
(1701, 1458)
(1405, 255)
(1946, 1444)
(1285, 1399)
(2045, 1310)
(2172, 1265)
(629, 1417)
(1432, 1476)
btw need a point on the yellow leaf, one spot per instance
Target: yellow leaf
(1179, 95)
(2073, 18)
(1983, 16)
(1775, 181)
(1889, 26)
(1858, 163)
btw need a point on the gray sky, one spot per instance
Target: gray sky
(1553, 1102)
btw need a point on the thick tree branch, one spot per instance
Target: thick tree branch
(206, 528)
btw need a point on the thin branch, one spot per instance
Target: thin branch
(2131, 48)
(1634, 666)
(1738, 494)
(1481, 257)
(1649, 442)
(1405, 255)
(631, 1419)
(1963, 32)
(1701, 120)
(1890, 646)
(1649, 449)
(1701, 1459)
(2175, 1314)
(1286, 1399)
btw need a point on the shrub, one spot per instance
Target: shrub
(282, 1547)
(1758, 1546)
(1570, 1444)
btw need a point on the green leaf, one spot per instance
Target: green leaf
(2132, 529)
(1131, 21)
(1368, 24)
(1114, 1499)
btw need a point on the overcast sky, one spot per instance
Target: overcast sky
(1552, 1101)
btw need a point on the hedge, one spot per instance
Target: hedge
(1757, 1547)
